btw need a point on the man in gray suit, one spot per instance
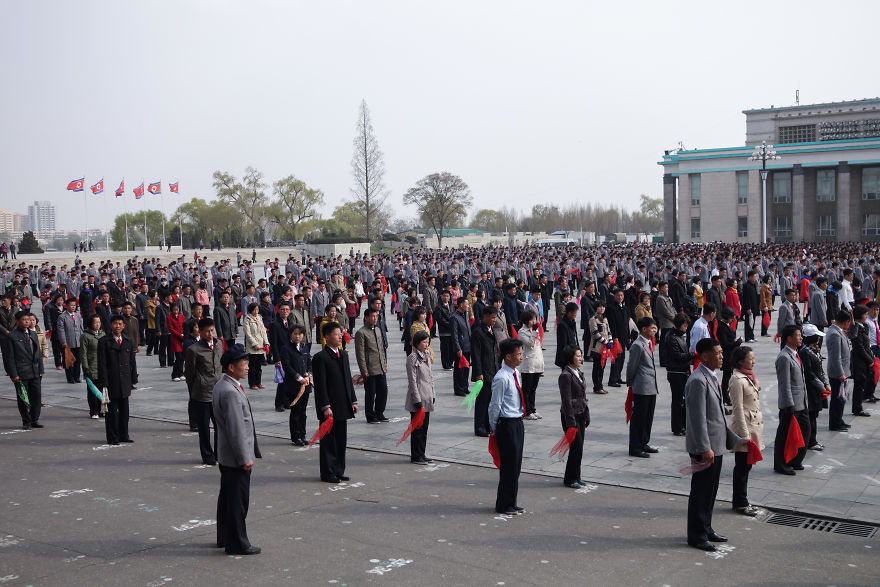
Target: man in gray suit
(236, 449)
(706, 438)
(792, 400)
(789, 314)
(70, 329)
(819, 304)
(839, 368)
(641, 377)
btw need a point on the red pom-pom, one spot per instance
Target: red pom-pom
(463, 363)
(415, 423)
(493, 450)
(322, 430)
(628, 404)
(754, 454)
(794, 441)
(564, 443)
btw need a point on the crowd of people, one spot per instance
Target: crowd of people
(626, 309)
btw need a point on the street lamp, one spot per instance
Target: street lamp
(764, 153)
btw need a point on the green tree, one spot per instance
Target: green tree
(368, 170)
(136, 220)
(651, 207)
(442, 200)
(485, 219)
(29, 244)
(296, 203)
(247, 197)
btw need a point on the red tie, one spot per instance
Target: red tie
(119, 341)
(521, 398)
(798, 357)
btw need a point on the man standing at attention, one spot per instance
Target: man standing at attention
(484, 363)
(202, 370)
(334, 398)
(370, 353)
(707, 436)
(506, 411)
(641, 377)
(118, 371)
(24, 363)
(236, 450)
(792, 400)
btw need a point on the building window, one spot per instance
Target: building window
(871, 224)
(742, 226)
(825, 226)
(782, 187)
(695, 189)
(802, 133)
(782, 226)
(742, 187)
(871, 183)
(825, 186)
(695, 228)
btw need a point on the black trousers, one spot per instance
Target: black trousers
(298, 416)
(598, 371)
(617, 367)
(641, 422)
(481, 409)
(859, 388)
(725, 384)
(446, 355)
(203, 412)
(152, 341)
(803, 420)
(530, 386)
(814, 416)
(232, 508)
(57, 353)
(142, 329)
(418, 440)
(740, 479)
(332, 450)
(576, 450)
(704, 489)
(835, 406)
(116, 420)
(73, 373)
(164, 350)
(460, 376)
(763, 328)
(30, 412)
(749, 322)
(255, 369)
(177, 369)
(375, 396)
(94, 403)
(510, 434)
(678, 418)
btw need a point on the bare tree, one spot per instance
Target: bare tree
(247, 196)
(442, 200)
(296, 203)
(368, 169)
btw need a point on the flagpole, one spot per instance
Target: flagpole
(107, 233)
(145, 223)
(162, 205)
(125, 212)
(86, 211)
(180, 222)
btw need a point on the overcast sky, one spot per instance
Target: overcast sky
(554, 102)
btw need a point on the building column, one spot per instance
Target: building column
(843, 227)
(797, 203)
(670, 210)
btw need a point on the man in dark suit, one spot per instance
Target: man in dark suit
(334, 398)
(461, 345)
(24, 363)
(618, 323)
(484, 365)
(566, 333)
(707, 436)
(297, 364)
(237, 448)
(279, 336)
(118, 370)
(224, 320)
(750, 305)
(443, 319)
(792, 400)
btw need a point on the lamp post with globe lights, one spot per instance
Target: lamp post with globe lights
(764, 153)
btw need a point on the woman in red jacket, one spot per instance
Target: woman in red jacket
(175, 327)
(731, 300)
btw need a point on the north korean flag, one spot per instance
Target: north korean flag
(121, 189)
(139, 191)
(98, 188)
(76, 185)
(172, 187)
(155, 188)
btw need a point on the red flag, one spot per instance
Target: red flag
(417, 420)
(493, 450)
(172, 187)
(121, 189)
(346, 337)
(513, 333)
(733, 325)
(139, 191)
(628, 404)
(463, 363)
(472, 321)
(322, 430)
(98, 187)
(76, 185)
(430, 320)
(875, 368)
(604, 355)
(155, 187)
(696, 362)
(794, 441)
(754, 454)
(765, 320)
(564, 443)
(616, 349)
(540, 333)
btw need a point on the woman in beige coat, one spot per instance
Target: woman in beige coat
(419, 394)
(532, 366)
(748, 422)
(255, 343)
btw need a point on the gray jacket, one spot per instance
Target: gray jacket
(236, 435)
(818, 308)
(706, 426)
(420, 382)
(202, 370)
(790, 381)
(70, 329)
(664, 313)
(838, 353)
(640, 372)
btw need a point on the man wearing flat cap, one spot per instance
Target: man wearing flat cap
(236, 449)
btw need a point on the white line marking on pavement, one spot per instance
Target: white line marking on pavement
(836, 462)
(871, 479)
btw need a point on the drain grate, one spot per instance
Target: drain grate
(821, 525)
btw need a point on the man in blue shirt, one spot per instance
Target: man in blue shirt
(506, 411)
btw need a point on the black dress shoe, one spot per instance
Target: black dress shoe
(36, 425)
(25, 426)
(128, 440)
(678, 433)
(246, 551)
(519, 509)
(511, 511)
(482, 434)
(705, 545)
(641, 454)
(114, 443)
(786, 471)
(210, 463)
(716, 537)
(613, 385)
(220, 545)
(383, 419)
(279, 409)
(863, 413)
(344, 478)
(460, 394)
(797, 467)
(333, 479)
(650, 449)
